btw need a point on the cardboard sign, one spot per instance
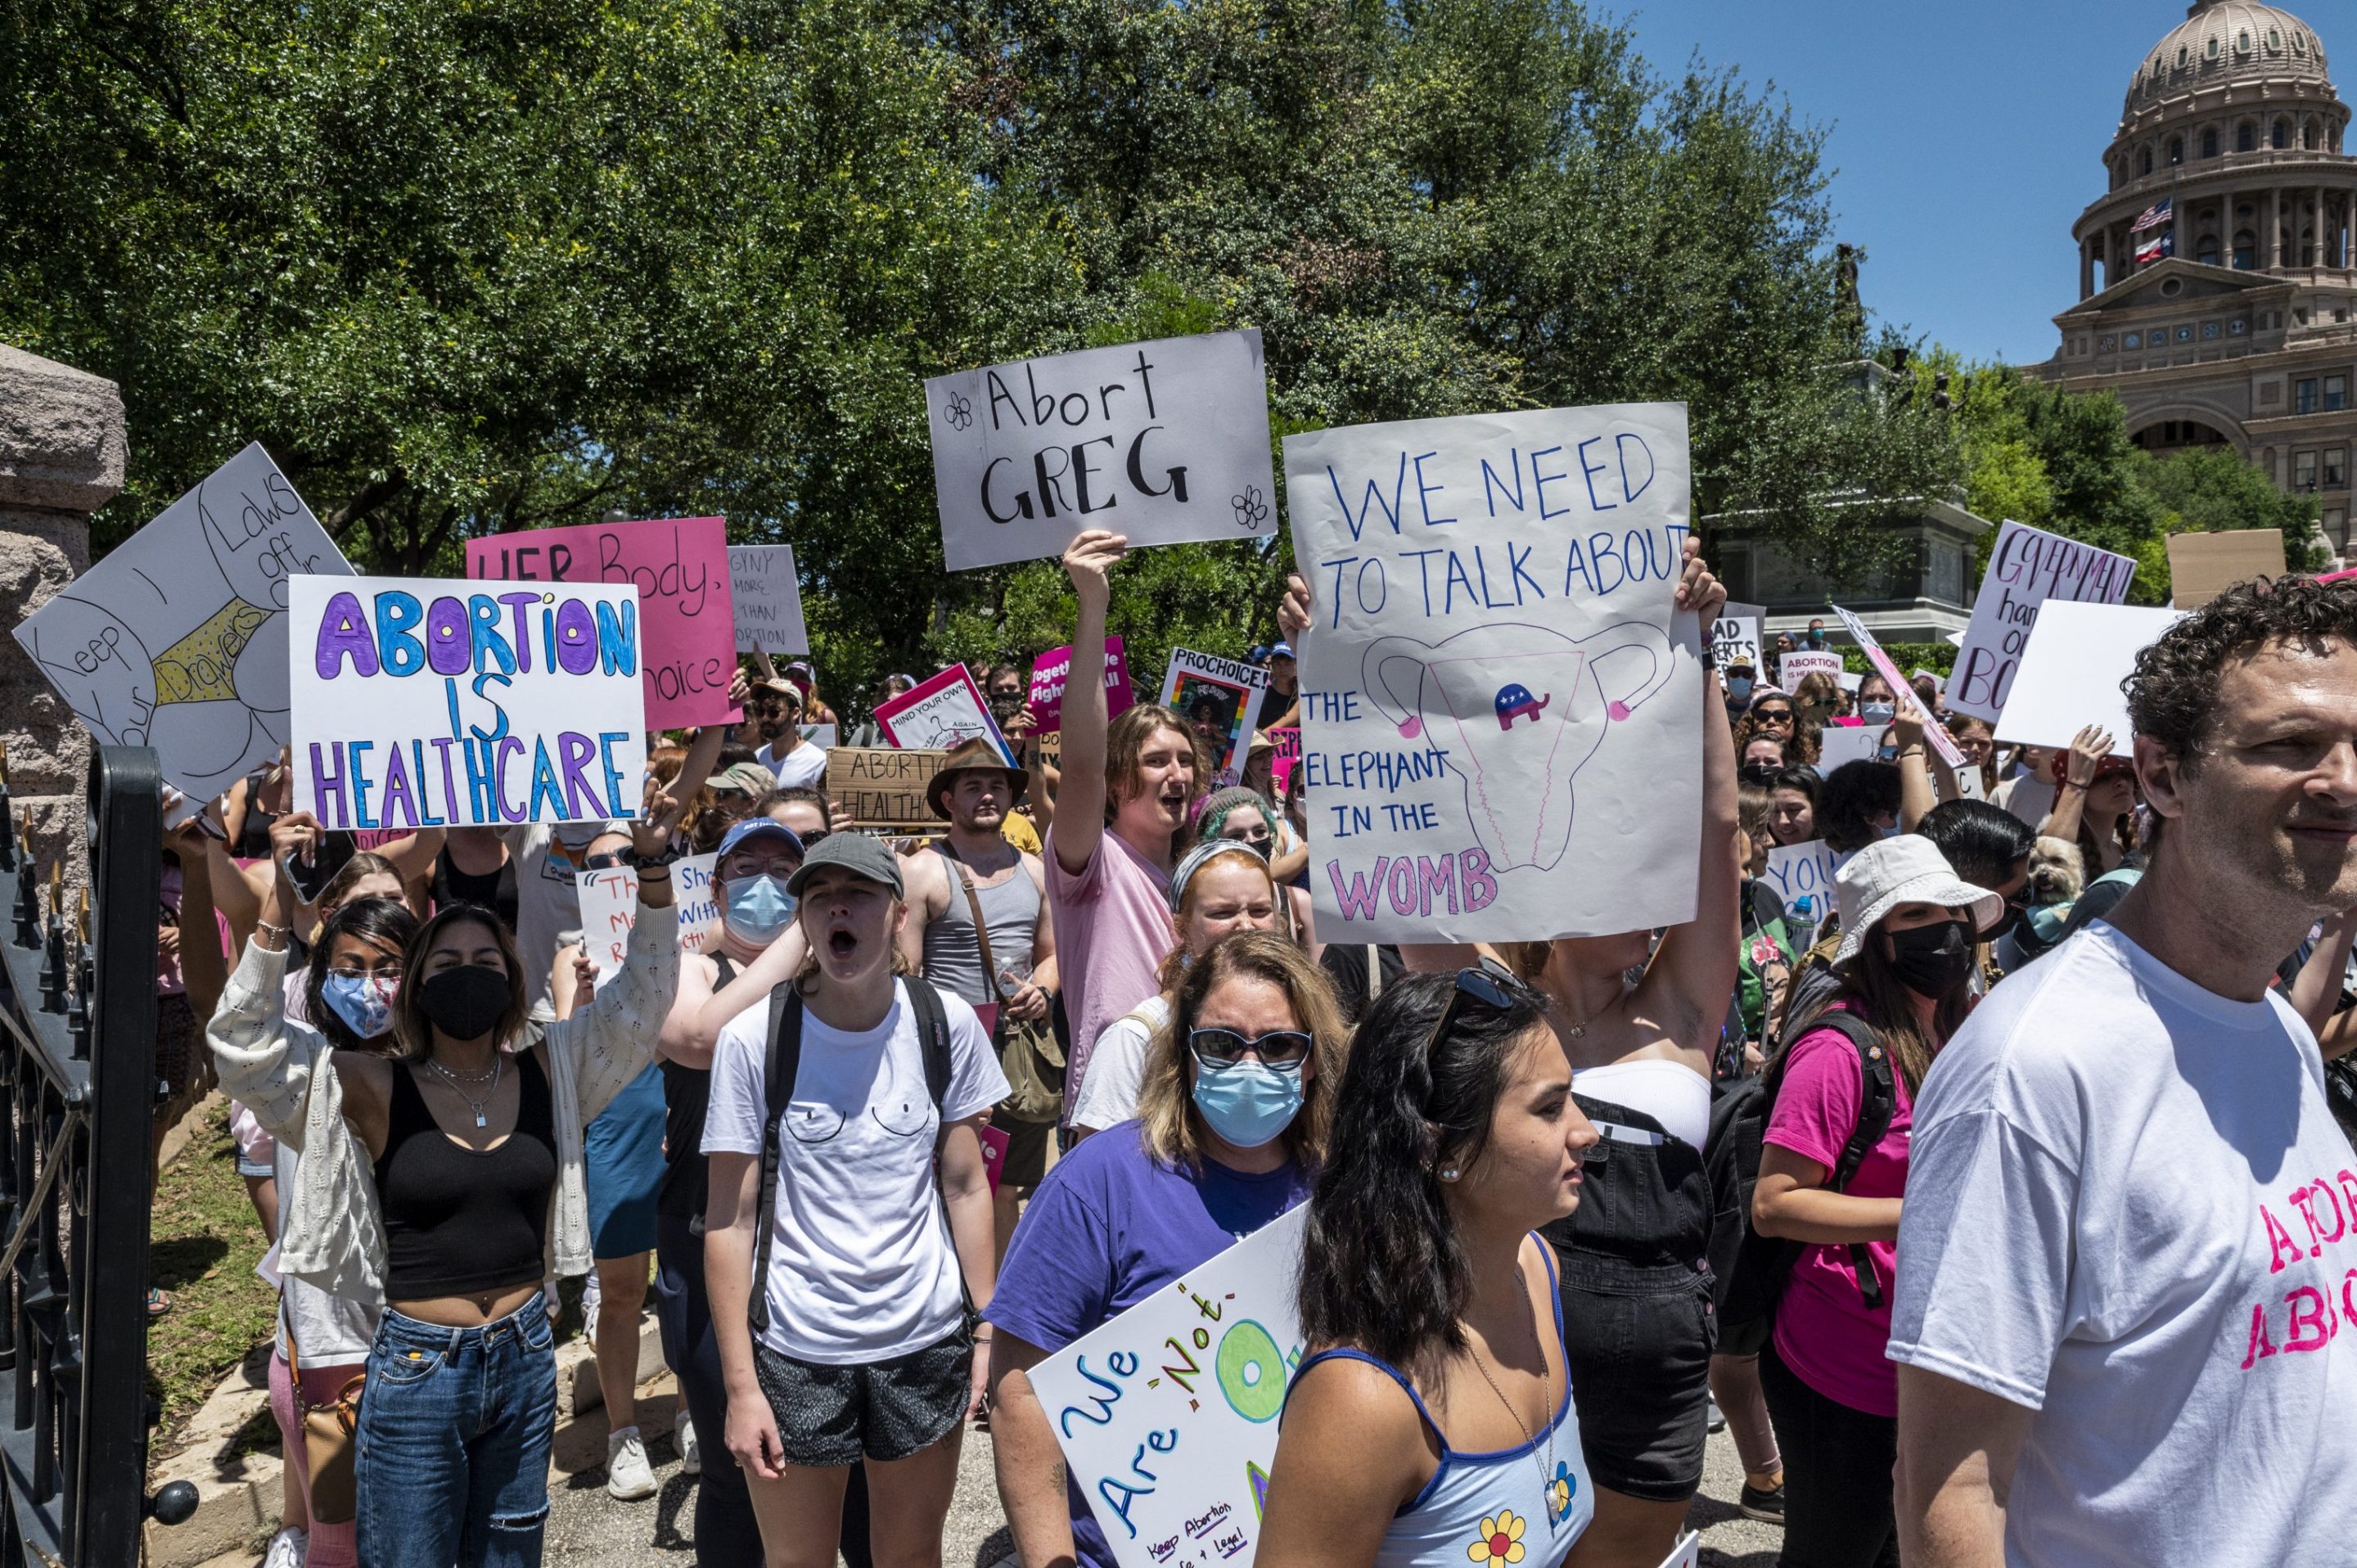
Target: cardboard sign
(2204, 565)
(1792, 668)
(2027, 567)
(1220, 700)
(940, 715)
(1935, 735)
(679, 568)
(609, 908)
(1734, 639)
(766, 597)
(1802, 875)
(1164, 442)
(1501, 710)
(1168, 1414)
(177, 639)
(882, 788)
(2071, 670)
(1839, 744)
(419, 704)
(1051, 670)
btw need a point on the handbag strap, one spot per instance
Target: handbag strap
(981, 926)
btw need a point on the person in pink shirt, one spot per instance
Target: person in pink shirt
(1910, 927)
(1121, 808)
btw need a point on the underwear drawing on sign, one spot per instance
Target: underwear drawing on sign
(1518, 710)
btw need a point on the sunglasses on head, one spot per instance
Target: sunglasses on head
(1218, 1048)
(1490, 984)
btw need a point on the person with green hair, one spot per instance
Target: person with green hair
(1250, 817)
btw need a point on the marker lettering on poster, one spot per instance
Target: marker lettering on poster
(2027, 567)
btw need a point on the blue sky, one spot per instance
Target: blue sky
(1965, 138)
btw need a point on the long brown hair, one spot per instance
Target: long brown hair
(412, 1034)
(1125, 740)
(1873, 989)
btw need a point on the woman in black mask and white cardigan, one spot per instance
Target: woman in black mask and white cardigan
(445, 1182)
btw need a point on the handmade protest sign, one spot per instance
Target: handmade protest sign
(2027, 567)
(767, 598)
(2071, 670)
(1792, 669)
(940, 713)
(1289, 756)
(1837, 744)
(420, 704)
(177, 639)
(609, 907)
(1935, 735)
(1501, 712)
(2204, 565)
(1734, 639)
(679, 566)
(1051, 670)
(1802, 877)
(1164, 442)
(1220, 700)
(1168, 1414)
(881, 788)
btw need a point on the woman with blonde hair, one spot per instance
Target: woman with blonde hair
(1232, 1122)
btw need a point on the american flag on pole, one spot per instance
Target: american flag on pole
(2154, 216)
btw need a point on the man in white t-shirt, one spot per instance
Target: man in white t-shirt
(777, 708)
(2130, 1243)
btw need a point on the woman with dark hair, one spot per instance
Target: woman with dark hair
(1232, 1123)
(441, 1181)
(1908, 926)
(1432, 1423)
(1793, 806)
(1877, 702)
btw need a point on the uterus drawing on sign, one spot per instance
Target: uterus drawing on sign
(1518, 710)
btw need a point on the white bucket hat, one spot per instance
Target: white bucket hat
(1908, 869)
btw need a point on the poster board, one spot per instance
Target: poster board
(177, 639)
(1051, 669)
(1164, 442)
(1839, 744)
(1288, 757)
(766, 596)
(1220, 700)
(2204, 565)
(1935, 735)
(2071, 670)
(883, 788)
(609, 908)
(1734, 639)
(1792, 668)
(1938, 682)
(2027, 567)
(1501, 708)
(1168, 1414)
(940, 713)
(679, 568)
(1802, 875)
(432, 701)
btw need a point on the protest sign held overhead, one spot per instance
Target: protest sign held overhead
(679, 567)
(177, 639)
(1792, 669)
(1935, 734)
(1220, 701)
(423, 703)
(880, 787)
(1837, 744)
(1500, 708)
(1735, 638)
(2204, 565)
(2071, 670)
(1051, 669)
(1164, 442)
(767, 598)
(940, 714)
(2027, 567)
(609, 908)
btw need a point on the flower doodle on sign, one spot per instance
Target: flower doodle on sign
(958, 410)
(1252, 508)
(1500, 1540)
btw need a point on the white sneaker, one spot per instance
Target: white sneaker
(627, 1475)
(691, 1459)
(287, 1549)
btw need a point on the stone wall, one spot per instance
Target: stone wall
(61, 457)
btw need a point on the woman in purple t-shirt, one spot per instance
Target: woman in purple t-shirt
(1909, 925)
(1232, 1122)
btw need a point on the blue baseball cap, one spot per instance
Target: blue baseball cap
(1282, 650)
(758, 827)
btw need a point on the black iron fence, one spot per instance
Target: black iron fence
(77, 1101)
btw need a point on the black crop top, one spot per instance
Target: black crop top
(459, 1221)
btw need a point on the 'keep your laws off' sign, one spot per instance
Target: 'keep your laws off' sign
(1501, 712)
(1164, 442)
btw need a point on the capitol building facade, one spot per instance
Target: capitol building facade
(2216, 284)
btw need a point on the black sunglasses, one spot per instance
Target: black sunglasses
(1218, 1048)
(613, 860)
(1491, 985)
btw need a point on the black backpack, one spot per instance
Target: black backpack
(785, 1060)
(1751, 1269)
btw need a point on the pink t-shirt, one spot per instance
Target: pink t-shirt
(1824, 1331)
(1112, 928)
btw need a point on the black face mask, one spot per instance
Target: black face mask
(1930, 961)
(464, 1002)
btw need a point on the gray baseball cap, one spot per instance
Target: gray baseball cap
(855, 853)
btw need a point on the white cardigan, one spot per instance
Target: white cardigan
(284, 1071)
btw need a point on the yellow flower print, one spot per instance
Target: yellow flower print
(1500, 1540)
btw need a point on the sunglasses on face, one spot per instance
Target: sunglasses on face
(811, 840)
(612, 860)
(1773, 716)
(1218, 1048)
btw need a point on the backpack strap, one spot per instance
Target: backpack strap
(932, 1036)
(779, 1069)
(1873, 1113)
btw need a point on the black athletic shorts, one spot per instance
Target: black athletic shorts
(1027, 1152)
(885, 1409)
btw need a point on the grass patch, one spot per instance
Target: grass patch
(204, 1243)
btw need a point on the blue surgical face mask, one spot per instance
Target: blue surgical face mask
(363, 1002)
(758, 908)
(1878, 713)
(1250, 1102)
(1738, 687)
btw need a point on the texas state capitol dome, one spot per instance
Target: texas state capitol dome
(2225, 319)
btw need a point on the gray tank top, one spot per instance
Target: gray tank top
(952, 956)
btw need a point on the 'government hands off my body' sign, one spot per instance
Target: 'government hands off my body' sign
(1164, 442)
(2027, 567)
(423, 703)
(1501, 712)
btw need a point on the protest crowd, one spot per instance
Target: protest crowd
(1960, 1124)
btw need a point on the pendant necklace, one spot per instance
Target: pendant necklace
(1546, 1393)
(499, 1064)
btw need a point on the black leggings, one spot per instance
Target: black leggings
(1837, 1463)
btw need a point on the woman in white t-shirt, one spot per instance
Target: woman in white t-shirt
(859, 1344)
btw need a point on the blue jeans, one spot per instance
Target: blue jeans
(452, 1458)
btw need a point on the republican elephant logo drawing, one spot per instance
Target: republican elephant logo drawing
(1519, 710)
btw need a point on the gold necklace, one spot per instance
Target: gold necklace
(1546, 1393)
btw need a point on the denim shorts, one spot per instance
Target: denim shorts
(1639, 1341)
(886, 1410)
